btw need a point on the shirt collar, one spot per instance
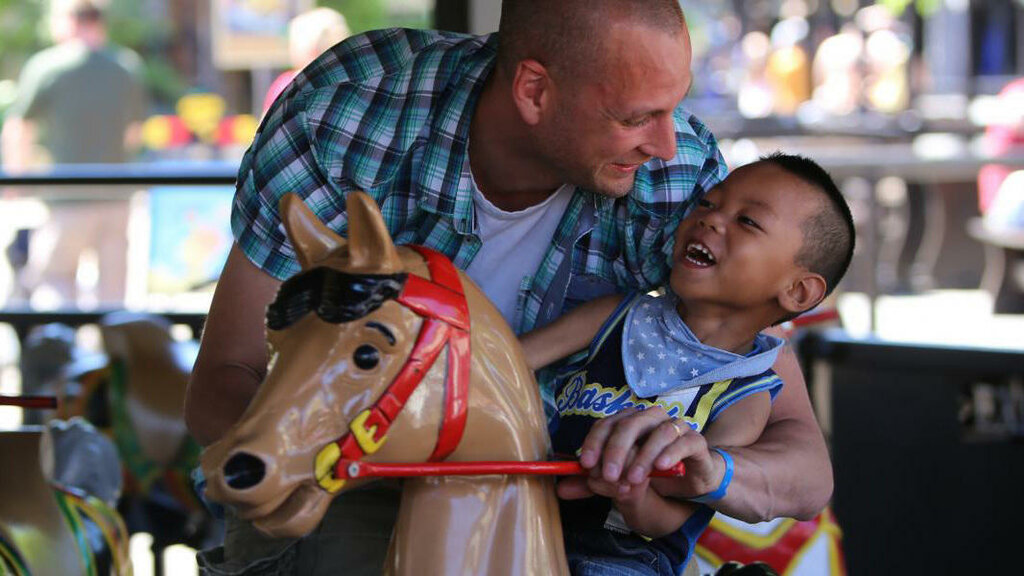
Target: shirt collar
(446, 151)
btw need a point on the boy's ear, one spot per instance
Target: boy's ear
(803, 293)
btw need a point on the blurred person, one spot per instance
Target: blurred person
(309, 35)
(79, 101)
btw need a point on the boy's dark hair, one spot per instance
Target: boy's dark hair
(565, 33)
(829, 235)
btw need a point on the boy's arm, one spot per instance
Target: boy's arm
(648, 513)
(742, 423)
(570, 333)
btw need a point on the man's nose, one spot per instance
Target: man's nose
(661, 140)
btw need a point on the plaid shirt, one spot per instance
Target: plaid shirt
(388, 112)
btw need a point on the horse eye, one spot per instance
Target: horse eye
(366, 357)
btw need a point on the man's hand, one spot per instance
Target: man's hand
(625, 447)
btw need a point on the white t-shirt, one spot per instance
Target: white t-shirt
(512, 245)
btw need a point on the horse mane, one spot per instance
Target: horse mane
(334, 296)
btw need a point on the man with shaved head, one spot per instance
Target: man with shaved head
(552, 161)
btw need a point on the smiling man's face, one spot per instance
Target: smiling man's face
(618, 115)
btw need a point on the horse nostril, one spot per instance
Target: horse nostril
(243, 471)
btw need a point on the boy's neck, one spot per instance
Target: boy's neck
(728, 329)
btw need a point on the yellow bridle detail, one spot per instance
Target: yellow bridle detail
(364, 435)
(326, 459)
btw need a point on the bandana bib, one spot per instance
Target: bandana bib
(661, 355)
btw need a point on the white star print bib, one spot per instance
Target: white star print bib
(661, 355)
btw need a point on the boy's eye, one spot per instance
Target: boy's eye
(749, 222)
(704, 203)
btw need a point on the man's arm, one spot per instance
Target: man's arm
(17, 140)
(233, 355)
(787, 472)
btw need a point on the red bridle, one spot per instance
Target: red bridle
(441, 303)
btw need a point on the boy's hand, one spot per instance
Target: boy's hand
(628, 444)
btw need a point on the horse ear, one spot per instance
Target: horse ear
(313, 241)
(370, 247)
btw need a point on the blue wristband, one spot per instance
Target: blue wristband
(719, 492)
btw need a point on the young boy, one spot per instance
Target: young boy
(765, 245)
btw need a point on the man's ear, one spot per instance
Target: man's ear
(531, 90)
(804, 292)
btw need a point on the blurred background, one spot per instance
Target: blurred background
(916, 107)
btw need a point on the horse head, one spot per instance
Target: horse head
(338, 337)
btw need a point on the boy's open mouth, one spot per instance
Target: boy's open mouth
(699, 255)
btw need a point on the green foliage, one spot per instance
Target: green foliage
(19, 34)
(361, 15)
(924, 7)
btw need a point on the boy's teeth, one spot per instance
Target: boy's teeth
(695, 249)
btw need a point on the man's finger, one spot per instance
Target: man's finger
(593, 444)
(663, 436)
(688, 445)
(624, 436)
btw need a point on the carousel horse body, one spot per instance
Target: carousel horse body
(55, 513)
(138, 398)
(340, 389)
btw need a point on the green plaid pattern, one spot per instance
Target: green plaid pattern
(388, 112)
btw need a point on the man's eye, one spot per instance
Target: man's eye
(704, 203)
(638, 122)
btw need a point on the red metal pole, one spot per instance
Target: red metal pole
(30, 402)
(391, 470)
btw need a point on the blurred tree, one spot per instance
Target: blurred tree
(924, 7)
(20, 34)
(141, 27)
(361, 15)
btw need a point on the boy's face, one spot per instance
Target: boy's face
(738, 248)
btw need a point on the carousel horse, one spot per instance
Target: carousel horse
(57, 494)
(138, 398)
(380, 355)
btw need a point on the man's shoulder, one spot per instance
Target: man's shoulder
(52, 59)
(398, 55)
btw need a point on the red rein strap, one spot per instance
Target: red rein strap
(39, 402)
